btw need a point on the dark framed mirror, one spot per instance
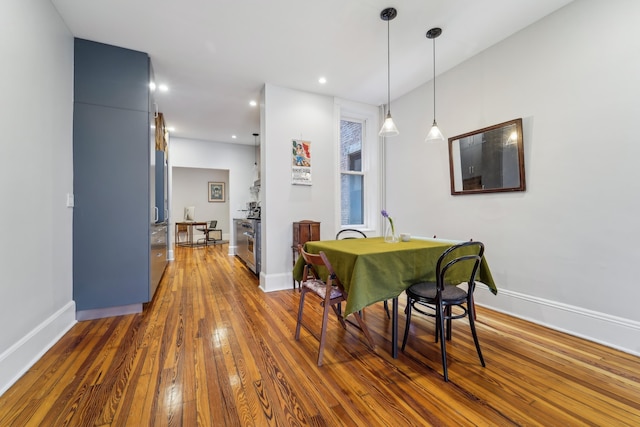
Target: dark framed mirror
(488, 160)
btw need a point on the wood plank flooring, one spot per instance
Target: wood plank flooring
(212, 349)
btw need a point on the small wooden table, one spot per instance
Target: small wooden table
(188, 227)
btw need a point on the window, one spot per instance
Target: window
(352, 177)
(358, 167)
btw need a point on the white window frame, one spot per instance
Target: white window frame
(368, 116)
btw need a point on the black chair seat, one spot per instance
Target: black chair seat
(427, 292)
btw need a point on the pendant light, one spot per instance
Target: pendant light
(434, 134)
(388, 127)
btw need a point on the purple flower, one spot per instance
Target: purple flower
(386, 215)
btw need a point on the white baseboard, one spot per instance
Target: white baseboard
(276, 282)
(612, 331)
(18, 358)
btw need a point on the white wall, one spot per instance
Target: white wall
(288, 115)
(190, 188)
(564, 252)
(236, 158)
(36, 106)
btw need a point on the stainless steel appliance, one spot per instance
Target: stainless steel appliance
(248, 235)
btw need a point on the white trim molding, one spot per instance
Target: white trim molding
(611, 331)
(18, 358)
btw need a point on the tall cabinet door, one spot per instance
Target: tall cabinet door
(110, 217)
(112, 185)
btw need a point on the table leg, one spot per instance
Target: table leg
(394, 329)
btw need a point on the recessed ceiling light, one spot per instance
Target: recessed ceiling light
(233, 136)
(152, 86)
(253, 103)
(171, 129)
(163, 88)
(322, 80)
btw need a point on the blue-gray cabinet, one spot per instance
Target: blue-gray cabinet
(114, 229)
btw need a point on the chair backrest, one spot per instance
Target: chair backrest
(213, 224)
(350, 233)
(459, 264)
(313, 261)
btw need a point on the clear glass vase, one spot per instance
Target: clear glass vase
(390, 235)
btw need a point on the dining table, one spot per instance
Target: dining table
(189, 227)
(373, 270)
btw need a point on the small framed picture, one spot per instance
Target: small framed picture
(216, 192)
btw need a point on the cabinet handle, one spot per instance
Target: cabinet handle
(155, 213)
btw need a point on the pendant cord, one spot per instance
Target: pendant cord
(434, 80)
(388, 70)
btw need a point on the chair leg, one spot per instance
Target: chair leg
(323, 332)
(443, 344)
(365, 330)
(448, 314)
(386, 308)
(437, 333)
(472, 325)
(407, 311)
(337, 309)
(300, 307)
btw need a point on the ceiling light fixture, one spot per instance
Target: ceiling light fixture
(388, 127)
(253, 103)
(434, 134)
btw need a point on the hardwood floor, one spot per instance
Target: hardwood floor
(214, 350)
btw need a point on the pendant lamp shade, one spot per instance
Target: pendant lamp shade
(434, 134)
(388, 127)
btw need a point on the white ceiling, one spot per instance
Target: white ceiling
(216, 55)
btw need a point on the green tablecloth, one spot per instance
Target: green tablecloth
(373, 270)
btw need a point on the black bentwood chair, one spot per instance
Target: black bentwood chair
(461, 260)
(350, 233)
